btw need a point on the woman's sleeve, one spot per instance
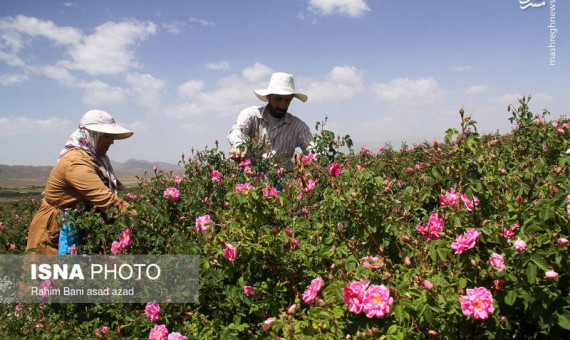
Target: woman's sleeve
(84, 178)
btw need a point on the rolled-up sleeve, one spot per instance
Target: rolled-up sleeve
(305, 139)
(241, 127)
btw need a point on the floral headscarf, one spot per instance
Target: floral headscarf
(87, 140)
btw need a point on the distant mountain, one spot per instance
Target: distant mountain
(18, 176)
(137, 164)
(24, 171)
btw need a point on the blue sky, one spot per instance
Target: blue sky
(178, 72)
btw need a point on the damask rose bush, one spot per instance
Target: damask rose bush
(471, 243)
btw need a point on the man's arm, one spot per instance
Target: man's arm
(241, 128)
(305, 139)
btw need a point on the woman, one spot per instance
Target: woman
(83, 173)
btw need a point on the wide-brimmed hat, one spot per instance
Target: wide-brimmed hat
(280, 83)
(101, 121)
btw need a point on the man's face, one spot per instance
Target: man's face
(104, 144)
(278, 104)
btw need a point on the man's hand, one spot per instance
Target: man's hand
(236, 154)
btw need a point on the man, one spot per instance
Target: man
(278, 130)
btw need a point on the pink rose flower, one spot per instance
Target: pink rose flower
(551, 275)
(450, 198)
(376, 301)
(177, 179)
(216, 176)
(125, 238)
(267, 322)
(497, 261)
(354, 295)
(478, 303)
(432, 230)
(427, 285)
(158, 333)
(116, 248)
(72, 249)
(520, 246)
(407, 261)
(202, 223)
(230, 252)
(243, 188)
(372, 262)
(244, 163)
(176, 336)
(563, 242)
(248, 291)
(152, 311)
(334, 169)
(311, 293)
(465, 241)
(172, 194)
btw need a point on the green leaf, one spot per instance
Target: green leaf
(462, 283)
(540, 262)
(564, 320)
(531, 273)
(510, 297)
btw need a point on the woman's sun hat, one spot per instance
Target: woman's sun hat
(282, 84)
(101, 121)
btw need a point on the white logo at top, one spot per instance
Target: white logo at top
(529, 3)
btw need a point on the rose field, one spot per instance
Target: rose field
(466, 238)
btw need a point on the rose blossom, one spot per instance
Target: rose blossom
(465, 241)
(216, 176)
(248, 290)
(497, 261)
(267, 322)
(563, 242)
(432, 230)
(116, 248)
(230, 252)
(450, 198)
(376, 301)
(202, 223)
(520, 246)
(178, 179)
(152, 311)
(158, 333)
(372, 262)
(551, 275)
(478, 303)
(354, 295)
(334, 169)
(172, 194)
(125, 238)
(311, 293)
(176, 336)
(243, 188)
(427, 285)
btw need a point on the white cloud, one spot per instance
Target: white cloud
(222, 65)
(26, 126)
(202, 22)
(405, 91)
(462, 68)
(97, 93)
(342, 83)
(36, 27)
(475, 89)
(108, 50)
(12, 79)
(147, 89)
(60, 74)
(257, 72)
(234, 93)
(174, 27)
(190, 88)
(352, 8)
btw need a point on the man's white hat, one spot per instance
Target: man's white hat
(280, 83)
(101, 121)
